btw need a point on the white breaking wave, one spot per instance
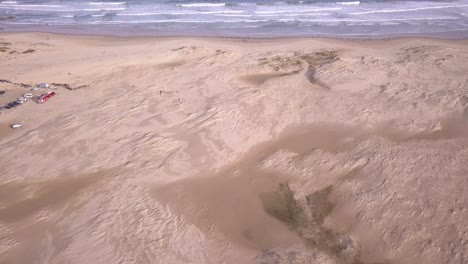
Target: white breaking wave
(233, 15)
(15, 5)
(298, 10)
(293, 15)
(40, 10)
(366, 20)
(221, 12)
(183, 13)
(149, 14)
(407, 10)
(9, 2)
(202, 5)
(182, 21)
(104, 9)
(349, 3)
(108, 3)
(279, 20)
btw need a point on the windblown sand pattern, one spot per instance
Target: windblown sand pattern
(180, 150)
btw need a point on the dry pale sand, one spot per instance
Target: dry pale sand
(184, 150)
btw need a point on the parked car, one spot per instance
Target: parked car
(22, 100)
(43, 85)
(43, 98)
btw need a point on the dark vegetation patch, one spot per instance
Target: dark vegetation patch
(24, 85)
(280, 63)
(69, 87)
(63, 85)
(316, 60)
(307, 218)
(29, 51)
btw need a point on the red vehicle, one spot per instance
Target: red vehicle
(43, 98)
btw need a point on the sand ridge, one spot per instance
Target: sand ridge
(185, 150)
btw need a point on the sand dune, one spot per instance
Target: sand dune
(180, 150)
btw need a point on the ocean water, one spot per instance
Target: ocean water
(240, 18)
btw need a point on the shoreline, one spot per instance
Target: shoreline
(113, 31)
(233, 38)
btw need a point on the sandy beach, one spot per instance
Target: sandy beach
(218, 150)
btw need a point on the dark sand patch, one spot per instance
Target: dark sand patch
(316, 60)
(250, 205)
(261, 78)
(4, 46)
(281, 63)
(29, 51)
(170, 64)
(20, 200)
(30, 209)
(228, 203)
(255, 207)
(5, 130)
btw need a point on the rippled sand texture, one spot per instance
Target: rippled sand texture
(228, 151)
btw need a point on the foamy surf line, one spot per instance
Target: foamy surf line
(183, 13)
(108, 3)
(349, 3)
(298, 10)
(408, 10)
(325, 21)
(202, 5)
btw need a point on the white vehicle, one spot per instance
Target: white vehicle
(17, 125)
(28, 95)
(22, 100)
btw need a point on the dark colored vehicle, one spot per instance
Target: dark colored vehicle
(13, 104)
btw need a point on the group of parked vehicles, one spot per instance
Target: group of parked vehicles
(40, 99)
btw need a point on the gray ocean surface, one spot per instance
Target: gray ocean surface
(239, 18)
